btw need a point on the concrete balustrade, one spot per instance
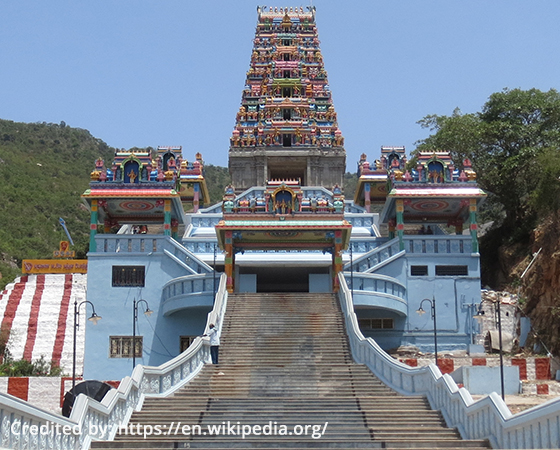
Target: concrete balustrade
(488, 418)
(25, 427)
(142, 244)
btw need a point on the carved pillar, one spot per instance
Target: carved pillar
(337, 259)
(400, 223)
(93, 226)
(167, 217)
(229, 261)
(391, 225)
(175, 229)
(196, 197)
(367, 200)
(474, 226)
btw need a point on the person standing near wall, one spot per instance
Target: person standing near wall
(214, 343)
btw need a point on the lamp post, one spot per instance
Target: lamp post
(352, 271)
(93, 318)
(214, 273)
(148, 312)
(498, 322)
(421, 311)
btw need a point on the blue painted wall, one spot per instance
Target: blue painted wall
(161, 334)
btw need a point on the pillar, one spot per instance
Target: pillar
(367, 197)
(175, 229)
(400, 223)
(167, 217)
(474, 226)
(337, 259)
(391, 225)
(93, 226)
(229, 261)
(196, 197)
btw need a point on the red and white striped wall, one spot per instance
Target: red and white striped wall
(535, 373)
(37, 313)
(43, 392)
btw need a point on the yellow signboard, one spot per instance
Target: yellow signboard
(54, 266)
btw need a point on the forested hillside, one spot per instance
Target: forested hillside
(44, 167)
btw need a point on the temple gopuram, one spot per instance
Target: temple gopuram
(284, 224)
(286, 126)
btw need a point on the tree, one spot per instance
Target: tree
(506, 142)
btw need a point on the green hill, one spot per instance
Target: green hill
(44, 168)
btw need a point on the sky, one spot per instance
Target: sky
(171, 72)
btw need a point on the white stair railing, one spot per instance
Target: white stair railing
(488, 418)
(25, 427)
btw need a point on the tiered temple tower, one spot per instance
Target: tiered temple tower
(286, 127)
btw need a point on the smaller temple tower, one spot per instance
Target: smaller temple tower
(140, 191)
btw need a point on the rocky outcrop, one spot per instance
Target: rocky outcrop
(540, 287)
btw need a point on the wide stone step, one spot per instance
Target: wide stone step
(265, 404)
(280, 444)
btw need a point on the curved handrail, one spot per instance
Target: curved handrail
(488, 418)
(380, 254)
(376, 283)
(91, 419)
(186, 284)
(190, 259)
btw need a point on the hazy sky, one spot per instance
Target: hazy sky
(170, 72)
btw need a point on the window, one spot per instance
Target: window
(376, 324)
(128, 276)
(121, 346)
(286, 56)
(286, 92)
(443, 271)
(286, 42)
(287, 140)
(185, 341)
(287, 74)
(287, 114)
(418, 271)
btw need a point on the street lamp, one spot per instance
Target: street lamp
(498, 320)
(214, 273)
(148, 312)
(93, 318)
(421, 311)
(352, 270)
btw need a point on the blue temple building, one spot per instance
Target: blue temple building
(409, 233)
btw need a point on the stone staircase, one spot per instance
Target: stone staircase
(286, 373)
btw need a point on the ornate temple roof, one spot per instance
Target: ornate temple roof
(434, 191)
(134, 189)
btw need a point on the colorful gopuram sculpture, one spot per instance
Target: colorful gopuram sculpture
(433, 192)
(286, 126)
(142, 189)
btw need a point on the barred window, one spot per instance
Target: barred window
(129, 276)
(121, 346)
(376, 324)
(418, 271)
(452, 270)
